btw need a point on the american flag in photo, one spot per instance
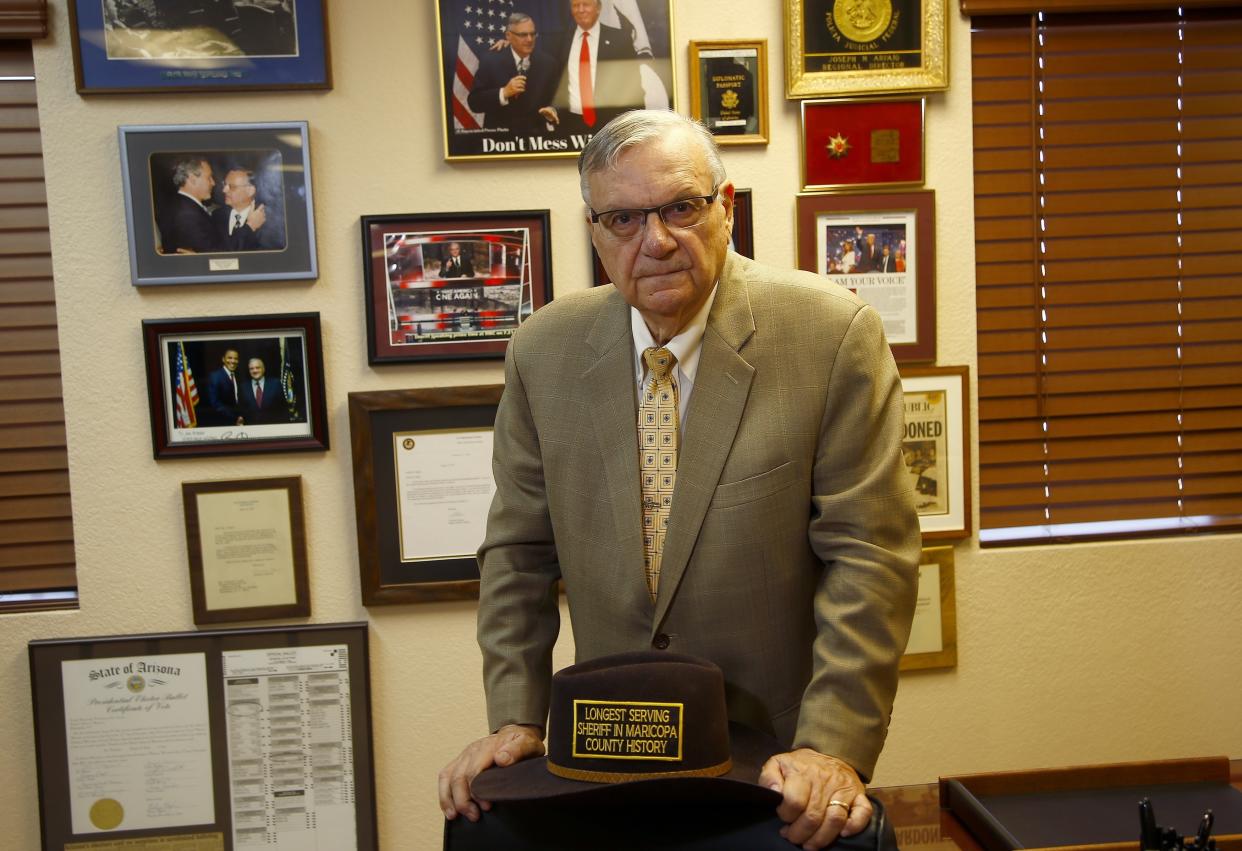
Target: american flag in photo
(478, 24)
(186, 392)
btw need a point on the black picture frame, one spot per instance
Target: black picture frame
(634, 69)
(180, 46)
(743, 235)
(178, 239)
(419, 308)
(178, 351)
(376, 420)
(342, 648)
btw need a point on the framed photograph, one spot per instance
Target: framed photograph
(933, 636)
(936, 447)
(854, 47)
(247, 546)
(852, 144)
(729, 89)
(181, 45)
(218, 203)
(743, 241)
(510, 78)
(227, 385)
(443, 286)
(422, 488)
(882, 247)
(243, 738)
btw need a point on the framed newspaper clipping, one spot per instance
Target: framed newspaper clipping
(220, 739)
(936, 447)
(882, 247)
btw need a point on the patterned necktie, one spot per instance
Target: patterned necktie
(657, 442)
(585, 87)
(238, 221)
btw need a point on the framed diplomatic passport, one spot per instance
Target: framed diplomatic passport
(729, 89)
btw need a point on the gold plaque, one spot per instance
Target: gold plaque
(885, 146)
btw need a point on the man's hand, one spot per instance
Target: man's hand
(257, 217)
(511, 743)
(810, 783)
(550, 115)
(515, 87)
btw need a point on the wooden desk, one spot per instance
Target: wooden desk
(922, 826)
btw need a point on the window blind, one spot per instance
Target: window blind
(1108, 215)
(36, 526)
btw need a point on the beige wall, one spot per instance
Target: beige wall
(1067, 654)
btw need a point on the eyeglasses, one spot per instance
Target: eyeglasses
(676, 215)
(517, 34)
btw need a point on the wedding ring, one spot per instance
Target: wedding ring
(836, 803)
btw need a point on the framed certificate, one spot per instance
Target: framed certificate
(882, 247)
(247, 549)
(933, 636)
(220, 739)
(936, 447)
(847, 47)
(729, 89)
(422, 488)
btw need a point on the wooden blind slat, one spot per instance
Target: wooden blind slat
(51, 577)
(35, 507)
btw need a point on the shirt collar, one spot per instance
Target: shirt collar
(686, 345)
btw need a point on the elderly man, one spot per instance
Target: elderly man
(261, 398)
(511, 86)
(776, 535)
(240, 222)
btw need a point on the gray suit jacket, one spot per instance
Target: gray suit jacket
(792, 551)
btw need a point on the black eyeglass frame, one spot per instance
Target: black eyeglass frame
(646, 211)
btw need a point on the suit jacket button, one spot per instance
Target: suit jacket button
(660, 642)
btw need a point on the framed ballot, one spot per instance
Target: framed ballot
(205, 741)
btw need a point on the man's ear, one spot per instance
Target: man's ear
(726, 201)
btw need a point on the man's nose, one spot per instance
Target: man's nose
(658, 240)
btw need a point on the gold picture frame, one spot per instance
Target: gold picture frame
(851, 47)
(933, 638)
(729, 89)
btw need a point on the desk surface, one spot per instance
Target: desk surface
(922, 826)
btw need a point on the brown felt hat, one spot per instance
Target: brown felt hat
(643, 725)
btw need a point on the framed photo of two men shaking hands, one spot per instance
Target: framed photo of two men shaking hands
(540, 80)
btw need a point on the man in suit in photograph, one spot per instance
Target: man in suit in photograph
(261, 398)
(599, 73)
(223, 393)
(868, 255)
(777, 537)
(185, 222)
(511, 86)
(242, 221)
(454, 265)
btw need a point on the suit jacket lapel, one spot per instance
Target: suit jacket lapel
(721, 388)
(609, 386)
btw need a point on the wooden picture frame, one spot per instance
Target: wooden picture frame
(933, 637)
(729, 89)
(246, 540)
(936, 448)
(899, 279)
(199, 408)
(178, 182)
(861, 143)
(409, 447)
(424, 302)
(835, 48)
(743, 235)
(189, 764)
(180, 46)
(633, 65)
